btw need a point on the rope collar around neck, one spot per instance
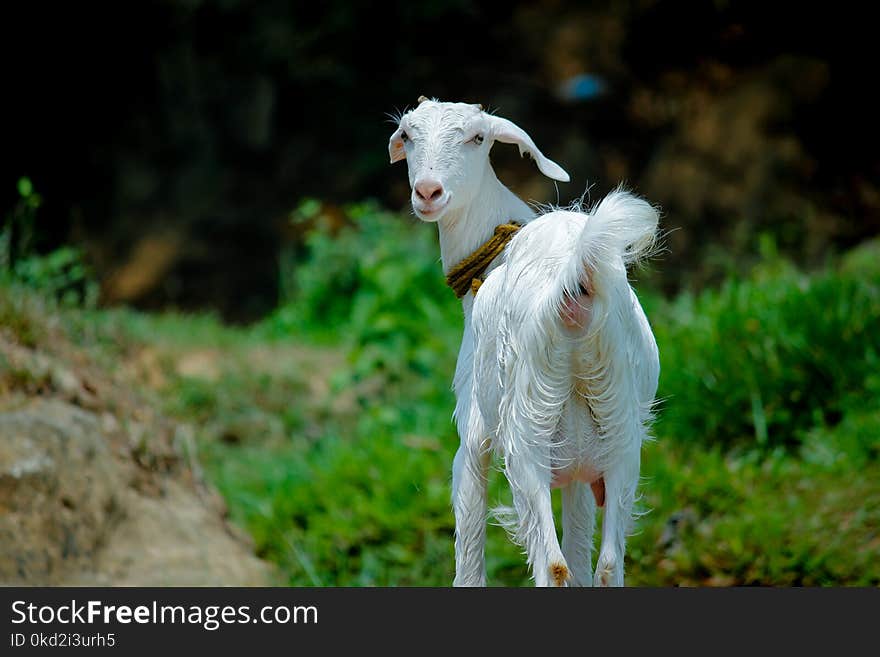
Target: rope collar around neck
(467, 274)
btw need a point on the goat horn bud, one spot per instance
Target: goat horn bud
(422, 99)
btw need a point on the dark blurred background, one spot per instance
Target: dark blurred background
(171, 140)
(231, 157)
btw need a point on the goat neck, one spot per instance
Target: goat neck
(463, 231)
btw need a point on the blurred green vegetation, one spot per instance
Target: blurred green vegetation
(327, 426)
(62, 273)
(764, 360)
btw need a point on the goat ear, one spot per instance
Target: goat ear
(510, 133)
(395, 146)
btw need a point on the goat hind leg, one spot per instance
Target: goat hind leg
(536, 530)
(621, 481)
(578, 525)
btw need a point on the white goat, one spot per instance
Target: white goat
(558, 366)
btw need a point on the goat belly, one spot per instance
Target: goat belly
(562, 477)
(575, 445)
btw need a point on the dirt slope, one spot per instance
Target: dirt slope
(96, 487)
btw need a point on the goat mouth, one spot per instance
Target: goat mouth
(430, 212)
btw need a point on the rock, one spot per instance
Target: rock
(74, 510)
(58, 489)
(172, 540)
(65, 382)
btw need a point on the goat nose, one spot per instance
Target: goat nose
(429, 190)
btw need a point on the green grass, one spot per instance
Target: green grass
(328, 430)
(738, 491)
(764, 360)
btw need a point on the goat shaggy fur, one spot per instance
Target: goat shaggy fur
(558, 366)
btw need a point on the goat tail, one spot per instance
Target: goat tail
(620, 224)
(558, 254)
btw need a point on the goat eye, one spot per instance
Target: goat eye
(404, 136)
(478, 139)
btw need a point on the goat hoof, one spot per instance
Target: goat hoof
(606, 572)
(559, 573)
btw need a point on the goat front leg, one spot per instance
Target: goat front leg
(470, 470)
(621, 481)
(578, 525)
(536, 531)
